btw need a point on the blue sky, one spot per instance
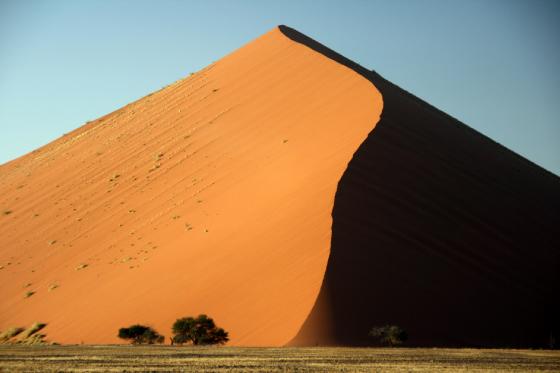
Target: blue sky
(492, 64)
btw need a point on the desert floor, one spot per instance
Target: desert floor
(233, 359)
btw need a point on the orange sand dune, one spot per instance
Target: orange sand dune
(258, 191)
(212, 195)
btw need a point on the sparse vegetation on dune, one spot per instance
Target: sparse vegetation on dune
(33, 329)
(19, 335)
(10, 333)
(235, 359)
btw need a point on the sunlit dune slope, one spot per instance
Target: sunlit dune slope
(213, 195)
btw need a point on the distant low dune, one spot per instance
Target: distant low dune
(295, 197)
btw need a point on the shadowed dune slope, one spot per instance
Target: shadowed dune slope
(440, 230)
(213, 195)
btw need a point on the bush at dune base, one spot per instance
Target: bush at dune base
(140, 334)
(199, 331)
(389, 335)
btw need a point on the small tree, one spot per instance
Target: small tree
(389, 335)
(140, 334)
(198, 331)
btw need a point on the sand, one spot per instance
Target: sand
(213, 195)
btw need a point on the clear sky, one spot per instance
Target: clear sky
(494, 65)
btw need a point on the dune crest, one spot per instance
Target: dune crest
(213, 195)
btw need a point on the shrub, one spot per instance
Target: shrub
(29, 336)
(198, 331)
(389, 335)
(140, 334)
(10, 333)
(33, 329)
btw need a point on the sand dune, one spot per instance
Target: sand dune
(440, 230)
(262, 191)
(211, 195)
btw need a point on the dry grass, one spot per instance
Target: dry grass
(29, 336)
(233, 359)
(10, 333)
(31, 330)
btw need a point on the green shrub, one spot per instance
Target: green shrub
(198, 331)
(140, 334)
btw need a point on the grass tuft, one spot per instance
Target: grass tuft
(10, 333)
(30, 335)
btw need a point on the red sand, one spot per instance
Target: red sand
(213, 195)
